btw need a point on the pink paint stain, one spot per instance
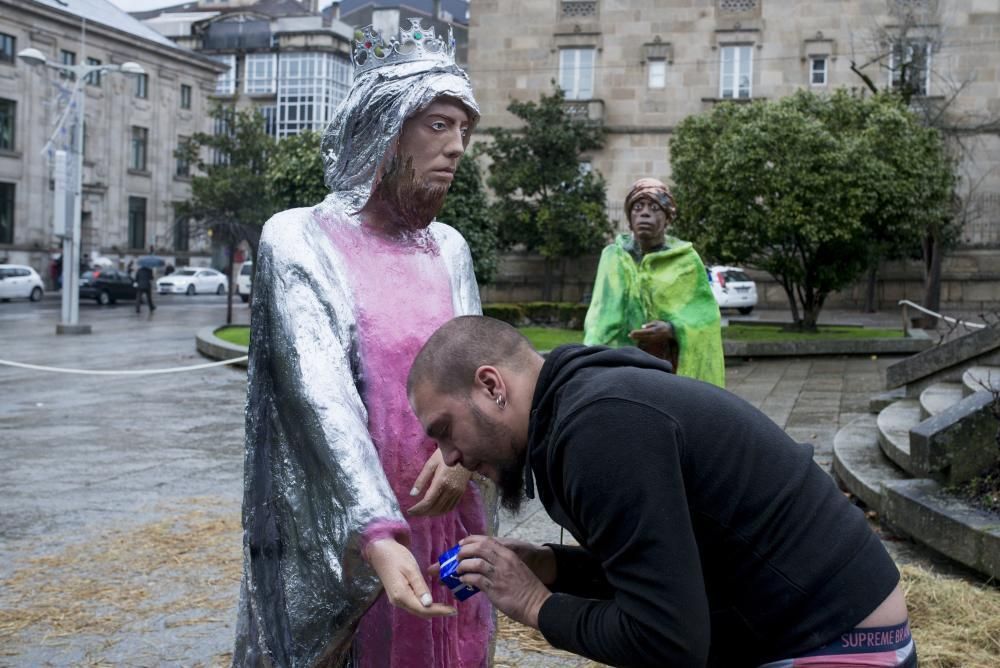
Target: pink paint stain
(402, 294)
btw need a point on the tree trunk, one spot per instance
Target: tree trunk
(229, 292)
(871, 303)
(547, 281)
(792, 304)
(932, 277)
(562, 278)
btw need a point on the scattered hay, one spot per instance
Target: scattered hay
(955, 624)
(530, 640)
(114, 583)
(168, 572)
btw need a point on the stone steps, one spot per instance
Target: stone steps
(894, 423)
(861, 465)
(932, 424)
(938, 397)
(883, 399)
(979, 378)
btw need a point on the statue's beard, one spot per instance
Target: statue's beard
(414, 203)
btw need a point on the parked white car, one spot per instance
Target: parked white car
(732, 288)
(18, 281)
(193, 280)
(243, 281)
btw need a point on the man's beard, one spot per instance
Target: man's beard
(510, 474)
(415, 202)
(511, 485)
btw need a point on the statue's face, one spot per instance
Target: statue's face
(432, 142)
(648, 222)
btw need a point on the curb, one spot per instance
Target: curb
(916, 342)
(211, 346)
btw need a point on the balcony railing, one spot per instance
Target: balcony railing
(587, 111)
(579, 9)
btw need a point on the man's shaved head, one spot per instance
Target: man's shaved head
(451, 356)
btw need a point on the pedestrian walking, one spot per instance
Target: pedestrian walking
(144, 286)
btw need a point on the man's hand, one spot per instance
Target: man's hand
(445, 486)
(506, 580)
(539, 558)
(402, 580)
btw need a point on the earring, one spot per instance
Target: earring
(501, 402)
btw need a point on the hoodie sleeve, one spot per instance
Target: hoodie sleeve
(617, 467)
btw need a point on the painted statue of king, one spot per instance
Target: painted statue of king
(344, 495)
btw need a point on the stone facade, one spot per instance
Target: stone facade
(112, 111)
(656, 62)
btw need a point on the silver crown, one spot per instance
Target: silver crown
(413, 44)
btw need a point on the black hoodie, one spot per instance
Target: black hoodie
(708, 536)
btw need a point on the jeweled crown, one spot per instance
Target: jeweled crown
(415, 43)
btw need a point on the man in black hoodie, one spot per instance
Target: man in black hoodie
(707, 536)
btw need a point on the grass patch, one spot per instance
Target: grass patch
(547, 338)
(829, 333)
(238, 334)
(542, 338)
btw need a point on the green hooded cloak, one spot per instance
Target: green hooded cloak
(669, 285)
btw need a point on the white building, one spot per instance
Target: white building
(131, 178)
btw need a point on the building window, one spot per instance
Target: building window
(8, 119)
(817, 71)
(576, 73)
(657, 73)
(183, 166)
(735, 72)
(270, 114)
(182, 234)
(94, 78)
(225, 84)
(141, 86)
(8, 47)
(7, 213)
(67, 58)
(140, 140)
(137, 222)
(185, 96)
(910, 66)
(310, 86)
(260, 71)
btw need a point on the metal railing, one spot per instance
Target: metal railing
(906, 304)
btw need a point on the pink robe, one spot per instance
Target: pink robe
(402, 294)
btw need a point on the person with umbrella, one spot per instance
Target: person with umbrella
(144, 279)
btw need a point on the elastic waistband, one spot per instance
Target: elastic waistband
(875, 639)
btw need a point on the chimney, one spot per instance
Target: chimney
(335, 5)
(437, 9)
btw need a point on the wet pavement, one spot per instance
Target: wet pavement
(119, 529)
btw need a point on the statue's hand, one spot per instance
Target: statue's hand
(445, 486)
(402, 580)
(659, 339)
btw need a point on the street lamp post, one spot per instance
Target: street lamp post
(69, 323)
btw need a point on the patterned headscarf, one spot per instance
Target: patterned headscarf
(652, 189)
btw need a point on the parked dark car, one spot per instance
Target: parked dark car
(106, 286)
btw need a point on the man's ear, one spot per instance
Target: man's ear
(489, 379)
